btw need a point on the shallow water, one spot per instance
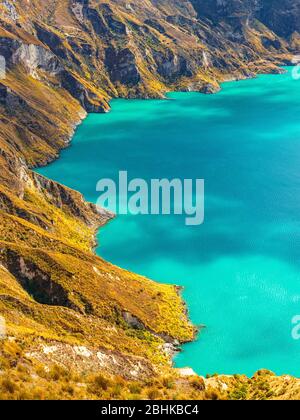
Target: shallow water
(240, 269)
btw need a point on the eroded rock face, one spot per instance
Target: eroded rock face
(52, 40)
(87, 98)
(35, 57)
(172, 66)
(283, 17)
(36, 282)
(8, 47)
(79, 9)
(218, 10)
(10, 11)
(122, 67)
(105, 22)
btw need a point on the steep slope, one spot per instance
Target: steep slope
(64, 59)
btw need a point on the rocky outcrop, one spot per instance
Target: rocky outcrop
(8, 47)
(53, 41)
(63, 197)
(89, 99)
(34, 58)
(282, 17)
(105, 22)
(36, 282)
(172, 66)
(10, 11)
(122, 67)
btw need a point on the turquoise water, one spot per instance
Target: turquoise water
(240, 269)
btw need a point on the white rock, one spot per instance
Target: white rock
(49, 349)
(83, 351)
(186, 372)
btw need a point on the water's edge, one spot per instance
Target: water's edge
(179, 289)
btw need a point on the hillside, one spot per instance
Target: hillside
(63, 305)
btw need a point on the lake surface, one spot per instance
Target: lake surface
(241, 268)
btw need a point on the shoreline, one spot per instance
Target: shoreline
(176, 347)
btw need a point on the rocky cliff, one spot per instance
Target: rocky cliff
(69, 57)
